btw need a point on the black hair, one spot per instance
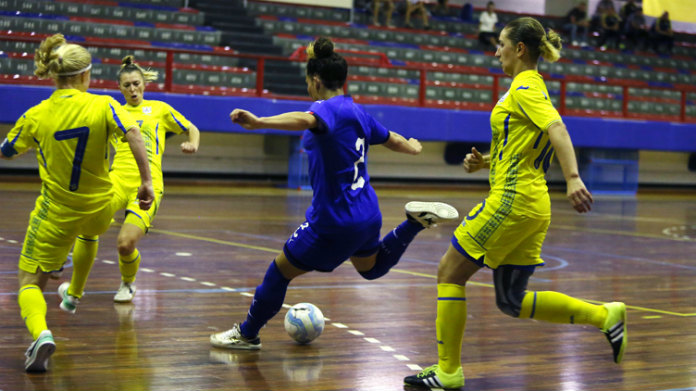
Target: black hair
(322, 61)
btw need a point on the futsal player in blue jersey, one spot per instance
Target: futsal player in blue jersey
(344, 220)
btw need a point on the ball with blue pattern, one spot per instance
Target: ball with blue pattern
(304, 322)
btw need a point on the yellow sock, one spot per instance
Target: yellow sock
(559, 308)
(129, 266)
(84, 252)
(450, 325)
(33, 308)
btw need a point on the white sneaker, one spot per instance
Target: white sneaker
(39, 351)
(68, 303)
(429, 214)
(233, 339)
(125, 292)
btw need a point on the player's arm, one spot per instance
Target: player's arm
(194, 138)
(294, 120)
(19, 137)
(146, 193)
(399, 143)
(577, 193)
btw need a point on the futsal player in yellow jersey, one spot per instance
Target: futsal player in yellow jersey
(506, 231)
(156, 119)
(70, 132)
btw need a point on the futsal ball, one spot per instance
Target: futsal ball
(304, 322)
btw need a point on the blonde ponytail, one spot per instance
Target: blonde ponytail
(550, 47)
(56, 58)
(128, 65)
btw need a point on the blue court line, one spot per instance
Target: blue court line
(679, 389)
(625, 257)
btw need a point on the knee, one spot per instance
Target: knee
(510, 308)
(126, 245)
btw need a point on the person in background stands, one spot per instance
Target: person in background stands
(636, 31)
(610, 31)
(662, 34)
(70, 132)
(388, 6)
(416, 7)
(577, 24)
(486, 31)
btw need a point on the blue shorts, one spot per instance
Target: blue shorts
(309, 250)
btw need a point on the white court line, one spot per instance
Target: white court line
(401, 357)
(167, 275)
(227, 288)
(108, 262)
(12, 241)
(356, 332)
(146, 270)
(246, 294)
(287, 306)
(206, 283)
(414, 367)
(189, 279)
(387, 348)
(340, 325)
(371, 340)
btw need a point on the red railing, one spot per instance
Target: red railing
(379, 61)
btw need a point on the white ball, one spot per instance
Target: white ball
(304, 322)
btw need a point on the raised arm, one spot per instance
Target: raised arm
(146, 194)
(194, 138)
(577, 193)
(293, 121)
(398, 143)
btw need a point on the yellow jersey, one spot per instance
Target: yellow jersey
(155, 119)
(70, 132)
(521, 151)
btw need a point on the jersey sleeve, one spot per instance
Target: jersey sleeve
(378, 133)
(324, 115)
(174, 121)
(535, 104)
(19, 139)
(118, 119)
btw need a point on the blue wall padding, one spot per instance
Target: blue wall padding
(211, 113)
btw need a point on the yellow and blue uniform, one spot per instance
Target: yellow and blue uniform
(509, 227)
(70, 132)
(155, 119)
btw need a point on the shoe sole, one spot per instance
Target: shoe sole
(624, 342)
(440, 209)
(234, 346)
(42, 353)
(117, 300)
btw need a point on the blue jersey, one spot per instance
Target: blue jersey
(337, 151)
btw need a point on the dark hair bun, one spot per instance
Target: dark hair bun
(128, 60)
(323, 48)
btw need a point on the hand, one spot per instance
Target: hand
(415, 145)
(188, 147)
(579, 197)
(146, 195)
(244, 118)
(473, 161)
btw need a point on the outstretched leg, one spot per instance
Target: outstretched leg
(128, 260)
(419, 215)
(513, 299)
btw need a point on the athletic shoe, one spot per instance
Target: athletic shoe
(39, 351)
(433, 377)
(125, 292)
(233, 339)
(68, 303)
(615, 329)
(429, 214)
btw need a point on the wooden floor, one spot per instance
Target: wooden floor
(212, 243)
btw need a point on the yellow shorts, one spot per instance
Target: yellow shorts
(126, 197)
(491, 235)
(52, 232)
